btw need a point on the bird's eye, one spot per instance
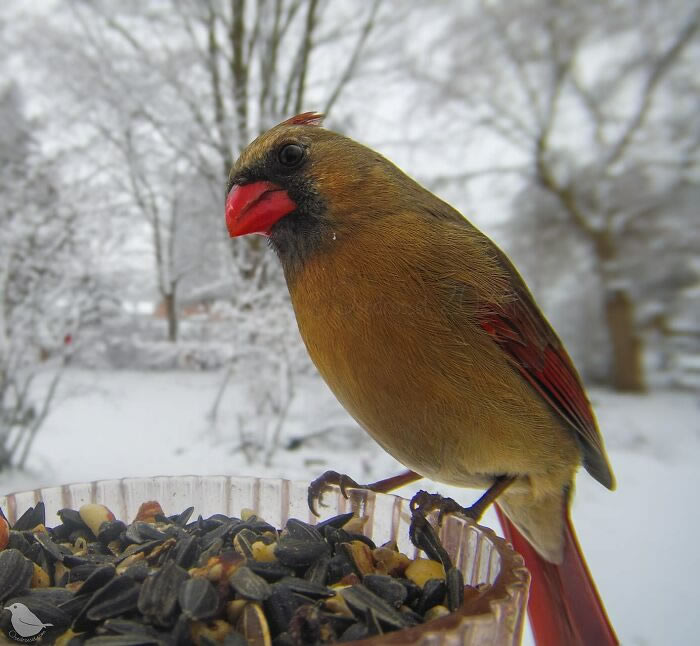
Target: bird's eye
(291, 155)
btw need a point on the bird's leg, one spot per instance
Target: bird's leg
(330, 478)
(426, 502)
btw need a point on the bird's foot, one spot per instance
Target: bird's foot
(324, 482)
(425, 503)
(330, 478)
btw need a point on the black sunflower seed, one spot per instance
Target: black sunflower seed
(413, 591)
(118, 626)
(82, 571)
(337, 623)
(335, 521)
(17, 541)
(360, 599)
(31, 518)
(271, 572)
(336, 536)
(52, 595)
(297, 553)
(221, 519)
(198, 599)
(15, 572)
(372, 622)
(60, 533)
(243, 541)
(181, 635)
(137, 571)
(36, 554)
(183, 517)
(353, 536)
(186, 551)
(424, 537)
(258, 525)
(433, 594)
(116, 597)
(110, 531)
(213, 550)
(306, 588)
(305, 626)
(53, 550)
(355, 632)
(159, 592)
(74, 606)
(280, 606)
(303, 531)
(219, 532)
(249, 585)
(455, 589)
(137, 549)
(386, 587)
(97, 578)
(318, 571)
(72, 561)
(140, 532)
(338, 567)
(72, 519)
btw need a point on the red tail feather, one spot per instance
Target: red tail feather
(564, 606)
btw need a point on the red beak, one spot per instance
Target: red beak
(255, 207)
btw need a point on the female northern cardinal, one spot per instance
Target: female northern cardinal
(428, 336)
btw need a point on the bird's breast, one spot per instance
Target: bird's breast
(400, 346)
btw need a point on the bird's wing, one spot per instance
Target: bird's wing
(520, 329)
(524, 334)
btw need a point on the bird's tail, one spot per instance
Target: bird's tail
(564, 606)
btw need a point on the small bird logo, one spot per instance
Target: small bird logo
(24, 621)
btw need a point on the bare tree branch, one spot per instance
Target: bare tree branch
(350, 68)
(656, 75)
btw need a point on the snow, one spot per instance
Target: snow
(639, 540)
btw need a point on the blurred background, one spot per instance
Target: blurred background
(137, 339)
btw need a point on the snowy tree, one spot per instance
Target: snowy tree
(166, 95)
(594, 108)
(48, 292)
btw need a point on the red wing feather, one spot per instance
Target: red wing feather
(528, 339)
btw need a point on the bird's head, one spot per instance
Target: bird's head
(304, 187)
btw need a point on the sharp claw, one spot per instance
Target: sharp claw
(322, 483)
(345, 482)
(311, 500)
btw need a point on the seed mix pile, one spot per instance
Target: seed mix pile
(167, 580)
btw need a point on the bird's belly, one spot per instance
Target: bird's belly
(456, 415)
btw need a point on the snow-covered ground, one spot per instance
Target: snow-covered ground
(639, 540)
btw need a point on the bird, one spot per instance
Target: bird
(24, 621)
(428, 336)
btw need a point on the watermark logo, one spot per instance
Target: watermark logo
(26, 626)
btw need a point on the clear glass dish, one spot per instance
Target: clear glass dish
(494, 617)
